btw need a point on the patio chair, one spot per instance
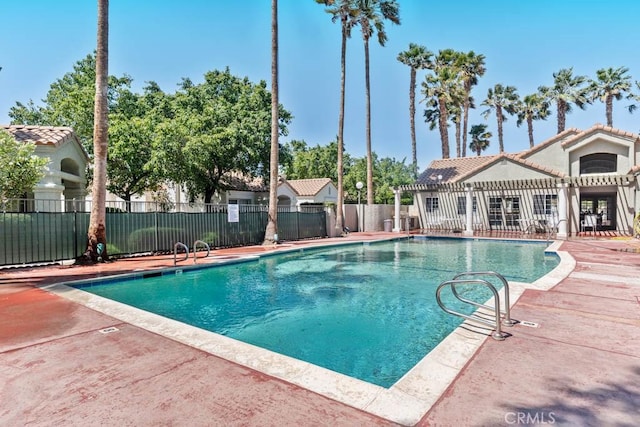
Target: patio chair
(589, 221)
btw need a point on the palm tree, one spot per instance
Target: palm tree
(471, 67)
(502, 99)
(417, 57)
(533, 107)
(610, 84)
(371, 15)
(567, 89)
(479, 138)
(272, 224)
(97, 232)
(441, 90)
(342, 10)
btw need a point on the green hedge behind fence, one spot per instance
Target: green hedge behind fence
(32, 237)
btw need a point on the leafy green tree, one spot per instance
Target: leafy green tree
(220, 126)
(314, 162)
(417, 57)
(20, 169)
(343, 11)
(370, 15)
(479, 138)
(501, 99)
(134, 150)
(532, 107)
(70, 101)
(567, 90)
(388, 174)
(608, 86)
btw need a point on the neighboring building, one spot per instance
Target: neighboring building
(64, 180)
(574, 181)
(299, 192)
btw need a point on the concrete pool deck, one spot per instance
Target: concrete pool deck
(579, 367)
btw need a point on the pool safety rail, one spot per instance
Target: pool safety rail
(175, 252)
(474, 278)
(186, 250)
(195, 249)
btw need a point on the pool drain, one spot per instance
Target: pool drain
(109, 330)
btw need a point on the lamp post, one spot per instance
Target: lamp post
(359, 186)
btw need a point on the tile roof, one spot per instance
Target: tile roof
(308, 187)
(451, 169)
(43, 135)
(241, 182)
(599, 127)
(566, 134)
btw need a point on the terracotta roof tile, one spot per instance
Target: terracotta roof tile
(241, 182)
(599, 127)
(568, 133)
(308, 187)
(451, 169)
(42, 135)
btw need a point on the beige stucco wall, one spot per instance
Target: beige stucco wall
(506, 170)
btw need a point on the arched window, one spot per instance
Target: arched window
(598, 163)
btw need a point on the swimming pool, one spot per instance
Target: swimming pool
(365, 310)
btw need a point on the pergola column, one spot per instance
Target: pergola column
(396, 213)
(562, 211)
(469, 210)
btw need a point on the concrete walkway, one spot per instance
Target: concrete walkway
(60, 365)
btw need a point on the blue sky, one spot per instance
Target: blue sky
(524, 43)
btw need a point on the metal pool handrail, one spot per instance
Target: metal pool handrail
(195, 248)
(175, 251)
(507, 306)
(497, 335)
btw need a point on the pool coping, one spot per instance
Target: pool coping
(406, 402)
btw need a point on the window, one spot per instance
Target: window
(431, 204)
(598, 163)
(545, 204)
(462, 205)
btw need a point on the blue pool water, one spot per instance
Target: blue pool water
(365, 310)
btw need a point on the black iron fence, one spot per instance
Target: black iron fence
(43, 231)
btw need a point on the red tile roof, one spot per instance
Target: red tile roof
(43, 135)
(308, 187)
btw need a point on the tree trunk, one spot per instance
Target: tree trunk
(343, 71)
(499, 117)
(272, 224)
(465, 119)
(412, 120)
(562, 111)
(97, 232)
(530, 129)
(609, 106)
(442, 126)
(368, 124)
(458, 141)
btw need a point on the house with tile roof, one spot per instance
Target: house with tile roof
(575, 181)
(300, 192)
(65, 174)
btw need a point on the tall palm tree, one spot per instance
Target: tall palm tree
(566, 91)
(610, 84)
(533, 107)
(479, 138)
(471, 67)
(342, 10)
(371, 15)
(441, 89)
(502, 99)
(97, 232)
(272, 224)
(417, 57)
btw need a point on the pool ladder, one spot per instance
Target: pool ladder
(186, 250)
(473, 278)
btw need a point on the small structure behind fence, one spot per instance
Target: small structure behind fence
(29, 236)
